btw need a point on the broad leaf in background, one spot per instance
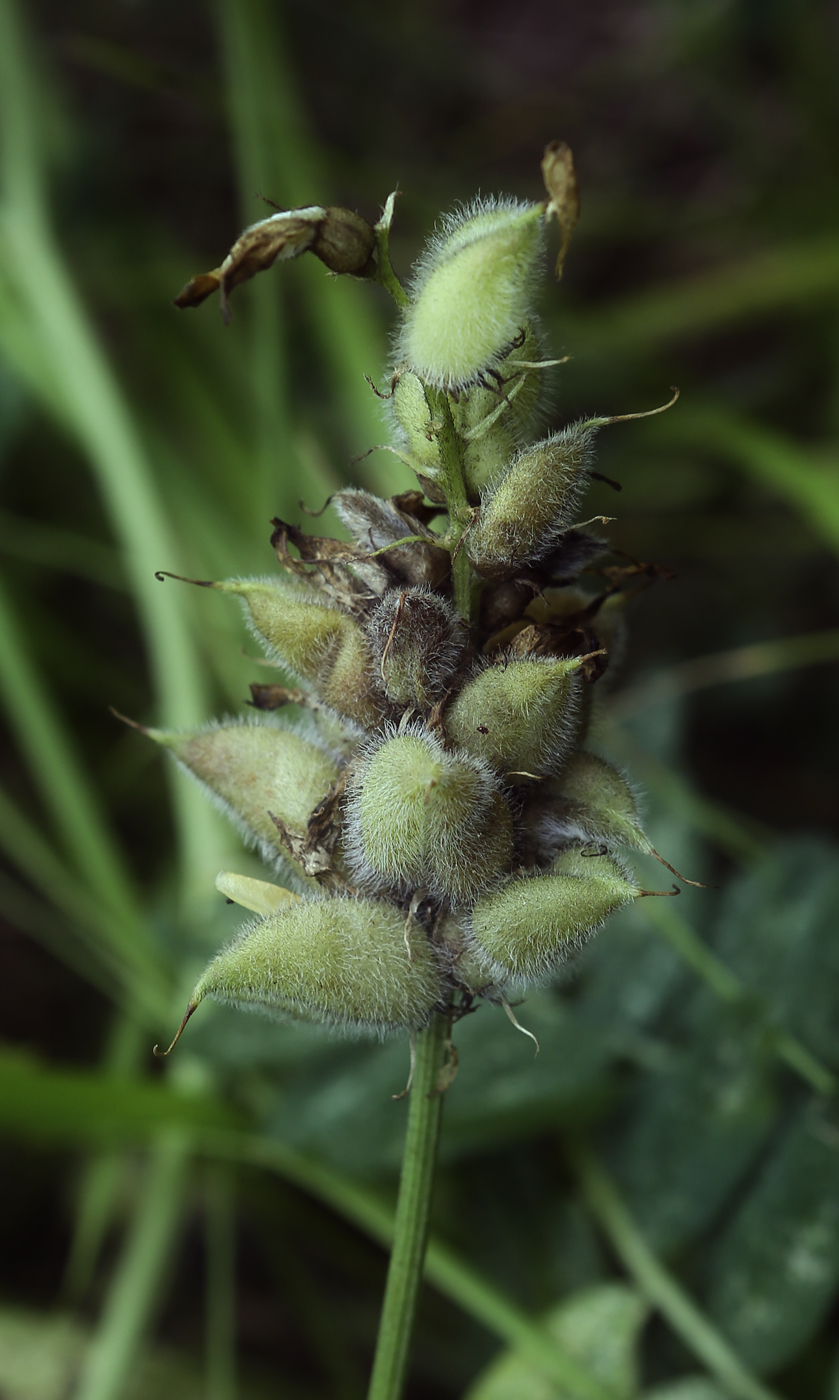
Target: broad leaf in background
(342, 1107)
(692, 1126)
(777, 931)
(774, 1270)
(599, 1327)
(41, 1358)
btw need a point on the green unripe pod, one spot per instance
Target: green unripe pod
(251, 768)
(494, 421)
(491, 420)
(422, 817)
(593, 801)
(347, 962)
(464, 967)
(472, 292)
(530, 509)
(520, 717)
(319, 643)
(418, 642)
(524, 932)
(413, 414)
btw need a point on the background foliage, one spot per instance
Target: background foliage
(652, 1206)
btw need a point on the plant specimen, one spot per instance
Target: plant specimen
(443, 836)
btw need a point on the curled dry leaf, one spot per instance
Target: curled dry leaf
(343, 241)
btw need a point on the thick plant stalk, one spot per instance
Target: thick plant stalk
(412, 1213)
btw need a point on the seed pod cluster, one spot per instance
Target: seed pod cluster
(445, 831)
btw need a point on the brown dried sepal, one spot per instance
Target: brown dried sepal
(561, 183)
(315, 851)
(414, 504)
(273, 697)
(324, 825)
(619, 573)
(552, 639)
(330, 559)
(420, 562)
(343, 241)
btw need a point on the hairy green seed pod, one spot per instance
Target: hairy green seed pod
(494, 421)
(472, 292)
(491, 419)
(525, 931)
(251, 768)
(593, 801)
(413, 414)
(348, 962)
(464, 966)
(423, 817)
(318, 643)
(520, 717)
(530, 509)
(418, 642)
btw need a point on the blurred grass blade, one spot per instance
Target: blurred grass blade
(696, 954)
(25, 357)
(39, 1103)
(102, 420)
(136, 1288)
(256, 167)
(777, 279)
(659, 1286)
(728, 987)
(52, 548)
(220, 1237)
(600, 1325)
(727, 667)
(127, 962)
(58, 773)
(792, 471)
(342, 312)
(99, 1187)
(26, 912)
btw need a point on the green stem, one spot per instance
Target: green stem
(385, 275)
(457, 504)
(412, 1210)
(444, 1268)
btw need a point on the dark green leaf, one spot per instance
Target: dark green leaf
(777, 931)
(775, 1270)
(689, 1132)
(342, 1107)
(600, 1329)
